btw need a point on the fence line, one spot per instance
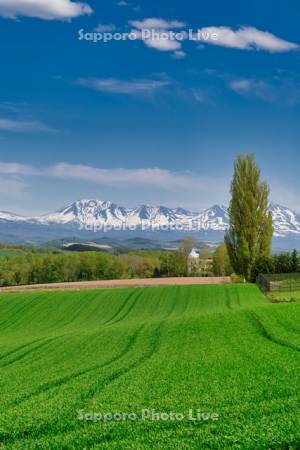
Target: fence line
(283, 282)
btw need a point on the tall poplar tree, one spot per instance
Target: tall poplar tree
(249, 237)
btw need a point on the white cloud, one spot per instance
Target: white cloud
(160, 34)
(105, 28)
(23, 126)
(248, 38)
(156, 24)
(43, 9)
(164, 44)
(129, 87)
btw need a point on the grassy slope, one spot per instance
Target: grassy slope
(223, 349)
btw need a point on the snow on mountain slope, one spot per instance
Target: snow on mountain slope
(215, 218)
(90, 214)
(285, 221)
(86, 212)
(10, 217)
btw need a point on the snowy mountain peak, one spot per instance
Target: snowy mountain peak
(86, 204)
(88, 213)
(218, 210)
(85, 212)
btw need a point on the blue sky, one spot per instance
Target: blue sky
(146, 121)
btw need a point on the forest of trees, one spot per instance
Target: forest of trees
(30, 268)
(46, 265)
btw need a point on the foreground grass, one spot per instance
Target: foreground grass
(221, 349)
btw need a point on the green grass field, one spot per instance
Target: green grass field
(6, 253)
(219, 349)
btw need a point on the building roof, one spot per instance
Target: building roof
(194, 254)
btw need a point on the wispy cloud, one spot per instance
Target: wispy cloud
(105, 28)
(241, 86)
(283, 89)
(13, 107)
(199, 95)
(24, 126)
(47, 10)
(128, 87)
(151, 184)
(179, 54)
(119, 176)
(12, 168)
(187, 188)
(125, 4)
(115, 177)
(255, 88)
(157, 24)
(248, 38)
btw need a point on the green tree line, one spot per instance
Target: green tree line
(30, 268)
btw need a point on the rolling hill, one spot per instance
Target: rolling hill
(68, 358)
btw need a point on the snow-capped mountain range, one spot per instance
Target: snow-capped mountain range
(96, 215)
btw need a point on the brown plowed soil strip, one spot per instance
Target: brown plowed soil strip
(122, 283)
